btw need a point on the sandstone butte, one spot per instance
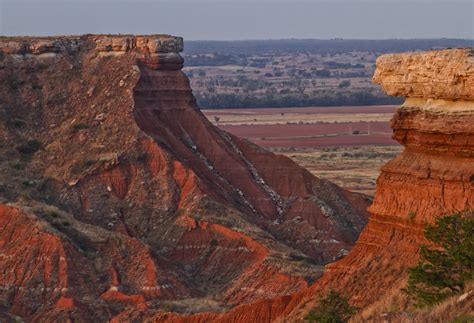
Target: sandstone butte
(119, 200)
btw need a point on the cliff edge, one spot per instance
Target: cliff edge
(119, 200)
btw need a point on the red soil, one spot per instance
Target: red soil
(315, 135)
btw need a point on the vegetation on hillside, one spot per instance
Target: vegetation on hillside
(446, 266)
(334, 308)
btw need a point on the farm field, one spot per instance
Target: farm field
(346, 145)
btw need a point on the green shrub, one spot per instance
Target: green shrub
(18, 165)
(446, 266)
(52, 214)
(89, 163)
(80, 126)
(296, 257)
(140, 157)
(344, 84)
(18, 123)
(166, 307)
(464, 319)
(29, 148)
(334, 308)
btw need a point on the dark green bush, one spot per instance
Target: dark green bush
(29, 148)
(447, 265)
(80, 126)
(344, 84)
(18, 123)
(334, 308)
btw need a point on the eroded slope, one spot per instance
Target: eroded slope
(433, 176)
(119, 199)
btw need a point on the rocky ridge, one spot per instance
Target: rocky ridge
(118, 199)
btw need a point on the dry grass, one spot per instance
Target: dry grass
(355, 168)
(194, 305)
(397, 307)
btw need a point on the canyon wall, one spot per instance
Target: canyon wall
(119, 200)
(433, 176)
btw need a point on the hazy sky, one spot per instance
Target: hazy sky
(242, 19)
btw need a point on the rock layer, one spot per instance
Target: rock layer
(446, 74)
(433, 176)
(120, 200)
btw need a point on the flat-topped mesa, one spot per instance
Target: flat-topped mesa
(156, 51)
(22, 47)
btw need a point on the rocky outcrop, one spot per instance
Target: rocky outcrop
(433, 176)
(118, 199)
(444, 74)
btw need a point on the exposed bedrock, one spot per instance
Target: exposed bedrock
(446, 74)
(433, 176)
(118, 199)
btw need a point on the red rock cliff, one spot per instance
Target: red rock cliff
(432, 177)
(118, 199)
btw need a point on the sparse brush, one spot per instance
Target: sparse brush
(29, 148)
(334, 308)
(80, 126)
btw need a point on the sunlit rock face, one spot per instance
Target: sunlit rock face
(118, 199)
(433, 176)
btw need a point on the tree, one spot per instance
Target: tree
(344, 84)
(334, 308)
(447, 265)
